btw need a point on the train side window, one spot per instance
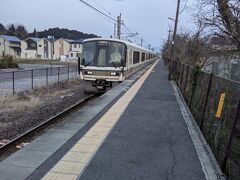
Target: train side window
(143, 57)
(136, 57)
(130, 57)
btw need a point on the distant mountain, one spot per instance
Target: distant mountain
(21, 32)
(61, 33)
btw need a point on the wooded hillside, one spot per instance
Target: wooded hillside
(21, 32)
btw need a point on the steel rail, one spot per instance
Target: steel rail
(45, 124)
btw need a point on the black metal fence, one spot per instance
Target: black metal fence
(23, 80)
(202, 93)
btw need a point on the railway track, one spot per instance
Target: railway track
(33, 132)
(37, 129)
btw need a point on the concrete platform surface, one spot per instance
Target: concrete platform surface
(135, 131)
(38, 157)
(150, 140)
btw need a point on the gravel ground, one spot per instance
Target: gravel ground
(25, 110)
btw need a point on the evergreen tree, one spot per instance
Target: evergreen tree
(35, 33)
(21, 32)
(11, 30)
(2, 29)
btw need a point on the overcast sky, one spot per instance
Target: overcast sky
(147, 17)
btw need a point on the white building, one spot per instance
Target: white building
(75, 49)
(67, 50)
(10, 46)
(37, 48)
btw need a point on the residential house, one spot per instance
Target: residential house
(30, 48)
(221, 43)
(10, 46)
(46, 48)
(40, 48)
(75, 49)
(224, 60)
(61, 48)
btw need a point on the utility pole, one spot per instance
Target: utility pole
(175, 29)
(115, 26)
(149, 46)
(174, 38)
(119, 21)
(141, 42)
(168, 42)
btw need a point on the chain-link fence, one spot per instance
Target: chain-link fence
(202, 93)
(18, 81)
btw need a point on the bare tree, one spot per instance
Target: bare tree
(222, 17)
(190, 48)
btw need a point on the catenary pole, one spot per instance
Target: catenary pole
(174, 34)
(168, 42)
(119, 26)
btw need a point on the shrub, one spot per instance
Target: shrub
(7, 62)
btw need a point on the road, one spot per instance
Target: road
(25, 79)
(29, 70)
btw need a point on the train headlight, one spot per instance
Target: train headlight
(114, 74)
(89, 72)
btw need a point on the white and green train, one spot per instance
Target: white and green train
(107, 60)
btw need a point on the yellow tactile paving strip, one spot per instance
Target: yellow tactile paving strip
(80, 155)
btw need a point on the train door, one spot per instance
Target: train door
(102, 55)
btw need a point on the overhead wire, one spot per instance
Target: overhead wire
(103, 8)
(184, 7)
(97, 10)
(110, 16)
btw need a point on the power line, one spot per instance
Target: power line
(104, 9)
(109, 16)
(184, 7)
(95, 9)
(127, 28)
(104, 14)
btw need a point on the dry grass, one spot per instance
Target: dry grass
(18, 103)
(24, 101)
(41, 61)
(25, 110)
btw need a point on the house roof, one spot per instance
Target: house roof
(10, 38)
(68, 40)
(79, 41)
(216, 40)
(35, 39)
(51, 40)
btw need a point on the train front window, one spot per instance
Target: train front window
(88, 53)
(116, 54)
(103, 54)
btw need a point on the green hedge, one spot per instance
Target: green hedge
(7, 62)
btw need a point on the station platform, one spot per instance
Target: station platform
(137, 130)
